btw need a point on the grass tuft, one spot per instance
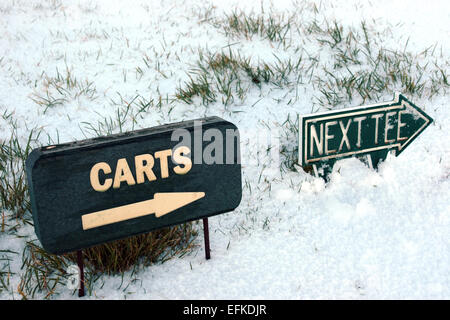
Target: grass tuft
(141, 250)
(47, 274)
(62, 88)
(226, 75)
(240, 24)
(13, 184)
(5, 270)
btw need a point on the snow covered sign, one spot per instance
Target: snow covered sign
(368, 132)
(93, 191)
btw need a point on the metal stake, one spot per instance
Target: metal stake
(206, 236)
(81, 268)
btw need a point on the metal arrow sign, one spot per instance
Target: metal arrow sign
(369, 132)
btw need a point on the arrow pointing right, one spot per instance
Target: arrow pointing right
(419, 122)
(161, 204)
(411, 119)
(369, 131)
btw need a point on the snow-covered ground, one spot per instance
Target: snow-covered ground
(364, 235)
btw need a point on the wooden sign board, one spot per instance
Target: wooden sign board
(368, 132)
(93, 191)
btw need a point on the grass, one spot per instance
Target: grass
(238, 24)
(13, 185)
(14, 196)
(227, 77)
(289, 145)
(362, 67)
(352, 64)
(128, 113)
(47, 274)
(142, 250)
(5, 269)
(43, 272)
(62, 88)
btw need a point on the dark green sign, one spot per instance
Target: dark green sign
(93, 191)
(368, 132)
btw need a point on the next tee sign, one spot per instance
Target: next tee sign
(368, 131)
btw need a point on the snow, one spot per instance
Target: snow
(364, 235)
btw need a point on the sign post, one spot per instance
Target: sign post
(206, 236)
(89, 192)
(369, 132)
(81, 270)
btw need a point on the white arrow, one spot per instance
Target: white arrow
(161, 204)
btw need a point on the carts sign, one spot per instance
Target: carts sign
(93, 191)
(368, 131)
